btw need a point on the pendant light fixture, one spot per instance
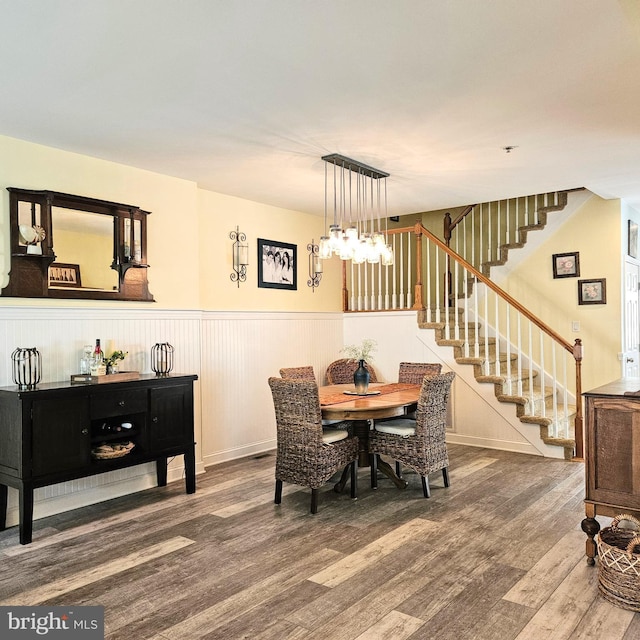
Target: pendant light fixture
(357, 193)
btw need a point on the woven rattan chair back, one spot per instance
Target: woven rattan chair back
(298, 373)
(302, 457)
(341, 371)
(414, 372)
(426, 450)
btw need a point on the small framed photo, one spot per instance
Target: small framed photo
(64, 275)
(277, 265)
(592, 291)
(632, 249)
(566, 265)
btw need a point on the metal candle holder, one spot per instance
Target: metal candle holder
(161, 358)
(26, 367)
(315, 267)
(240, 256)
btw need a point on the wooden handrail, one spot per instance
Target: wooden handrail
(500, 292)
(574, 349)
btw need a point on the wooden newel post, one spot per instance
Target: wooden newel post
(418, 300)
(345, 291)
(578, 423)
(447, 229)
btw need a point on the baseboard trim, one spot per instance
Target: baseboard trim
(240, 452)
(490, 443)
(45, 507)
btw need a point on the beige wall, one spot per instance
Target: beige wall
(189, 249)
(221, 214)
(31, 166)
(594, 231)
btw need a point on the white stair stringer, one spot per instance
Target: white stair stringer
(478, 405)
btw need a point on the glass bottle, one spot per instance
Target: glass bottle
(85, 361)
(98, 368)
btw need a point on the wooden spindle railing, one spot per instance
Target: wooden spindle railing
(463, 283)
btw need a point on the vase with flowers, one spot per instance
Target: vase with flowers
(361, 354)
(112, 361)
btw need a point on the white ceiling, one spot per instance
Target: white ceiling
(245, 96)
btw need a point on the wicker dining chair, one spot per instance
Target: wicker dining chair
(298, 373)
(306, 455)
(307, 373)
(420, 443)
(414, 372)
(341, 371)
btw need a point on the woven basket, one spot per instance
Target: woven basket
(618, 564)
(116, 450)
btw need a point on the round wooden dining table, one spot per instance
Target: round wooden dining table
(385, 400)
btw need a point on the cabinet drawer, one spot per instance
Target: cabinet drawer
(118, 403)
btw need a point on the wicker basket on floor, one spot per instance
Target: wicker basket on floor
(618, 564)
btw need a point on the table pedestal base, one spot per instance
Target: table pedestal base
(385, 468)
(361, 429)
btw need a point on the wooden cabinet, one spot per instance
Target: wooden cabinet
(612, 452)
(47, 434)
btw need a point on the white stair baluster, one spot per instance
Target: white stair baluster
(508, 343)
(543, 411)
(428, 279)
(497, 311)
(532, 405)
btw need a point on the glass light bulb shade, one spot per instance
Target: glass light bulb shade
(351, 233)
(335, 234)
(324, 247)
(353, 241)
(360, 254)
(373, 255)
(387, 256)
(378, 239)
(346, 250)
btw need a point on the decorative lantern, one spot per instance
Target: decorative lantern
(161, 358)
(26, 367)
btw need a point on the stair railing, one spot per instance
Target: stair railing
(534, 366)
(483, 233)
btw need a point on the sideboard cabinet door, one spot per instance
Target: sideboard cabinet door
(60, 435)
(171, 411)
(614, 461)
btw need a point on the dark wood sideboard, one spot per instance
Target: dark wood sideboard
(612, 450)
(47, 434)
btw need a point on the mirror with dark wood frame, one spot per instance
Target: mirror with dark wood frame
(100, 247)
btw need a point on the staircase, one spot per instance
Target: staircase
(506, 225)
(535, 403)
(528, 364)
(485, 233)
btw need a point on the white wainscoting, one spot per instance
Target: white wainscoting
(244, 350)
(478, 419)
(232, 353)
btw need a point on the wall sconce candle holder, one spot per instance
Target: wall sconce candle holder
(315, 266)
(162, 358)
(240, 256)
(26, 367)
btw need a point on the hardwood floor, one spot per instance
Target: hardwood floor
(498, 555)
